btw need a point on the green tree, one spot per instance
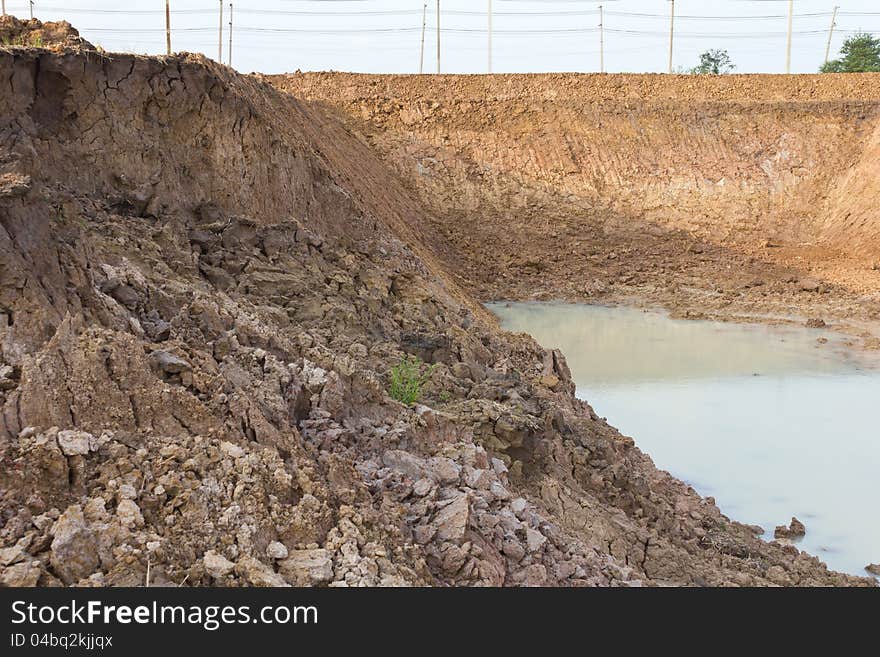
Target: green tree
(859, 54)
(714, 62)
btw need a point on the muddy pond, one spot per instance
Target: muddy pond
(768, 420)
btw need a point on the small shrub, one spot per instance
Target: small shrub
(22, 40)
(407, 379)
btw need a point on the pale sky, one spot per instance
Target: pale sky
(528, 36)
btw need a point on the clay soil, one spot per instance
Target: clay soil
(742, 198)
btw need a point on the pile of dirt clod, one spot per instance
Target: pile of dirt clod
(204, 283)
(36, 34)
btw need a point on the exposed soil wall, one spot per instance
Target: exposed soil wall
(852, 214)
(730, 196)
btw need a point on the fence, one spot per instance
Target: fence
(397, 36)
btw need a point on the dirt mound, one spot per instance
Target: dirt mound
(35, 34)
(203, 286)
(725, 196)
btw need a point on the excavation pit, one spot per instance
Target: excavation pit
(772, 421)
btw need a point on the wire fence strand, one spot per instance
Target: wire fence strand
(313, 27)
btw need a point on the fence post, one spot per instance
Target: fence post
(168, 27)
(422, 50)
(788, 44)
(489, 11)
(220, 37)
(830, 34)
(438, 36)
(671, 31)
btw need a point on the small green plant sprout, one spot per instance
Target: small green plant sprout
(407, 379)
(22, 40)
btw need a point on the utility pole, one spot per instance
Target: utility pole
(438, 36)
(831, 33)
(4, 7)
(601, 40)
(422, 51)
(167, 26)
(788, 46)
(31, 4)
(489, 11)
(671, 31)
(220, 37)
(230, 35)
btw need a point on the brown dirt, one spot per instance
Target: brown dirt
(34, 33)
(733, 197)
(203, 286)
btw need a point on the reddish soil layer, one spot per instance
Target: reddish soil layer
(737, 197)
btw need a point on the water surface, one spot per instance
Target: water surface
(768, 420)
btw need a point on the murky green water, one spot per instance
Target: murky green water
(765, 419)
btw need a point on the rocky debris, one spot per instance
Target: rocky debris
(16, 553)
(549, 381)
(795, 529)
(74, 548)
(129, 514)
(231, 450)
(534, 539)
(451, 521)
(9, 377)
(487, 535)
(311, 567)
(172, 368)
(815, 322)
(276, 550)
(13, 185)
(74, 443)
(873, 568)
(216, 565)
(405, 463)
(256, 573)
(124, 294)
(154, 326)
(192, 514)
(23, 574)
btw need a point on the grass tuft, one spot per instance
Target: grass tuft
(407, 379)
